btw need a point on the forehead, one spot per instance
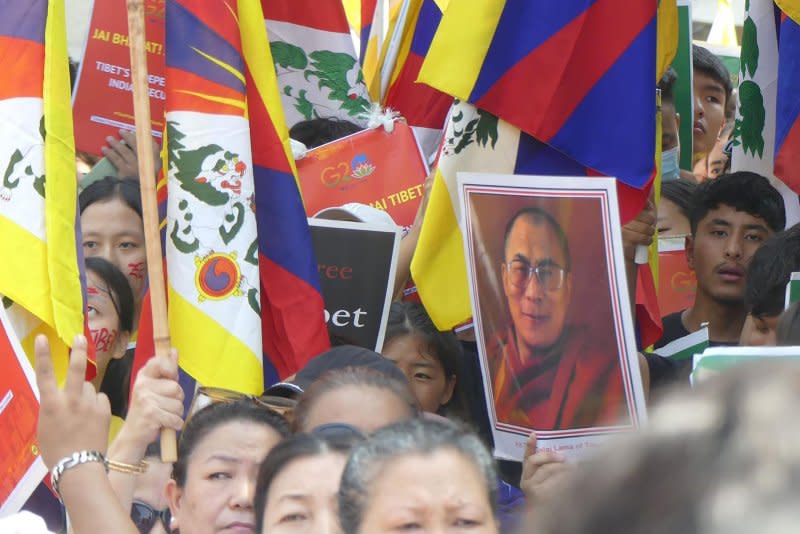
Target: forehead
(732, 216)
(245, 441)
(441, 477)
(703, 80)
(530, 235)
(111, 216)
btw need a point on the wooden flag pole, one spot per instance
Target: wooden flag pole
(144, 153)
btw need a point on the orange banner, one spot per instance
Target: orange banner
(677, 283)
(375, 167)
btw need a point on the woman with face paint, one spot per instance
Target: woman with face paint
(109, 305)
(112, 228)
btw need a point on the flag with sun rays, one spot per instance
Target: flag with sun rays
(228, 178)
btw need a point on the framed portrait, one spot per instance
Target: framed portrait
(551, 310)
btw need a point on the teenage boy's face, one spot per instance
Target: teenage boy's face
(721, 249)
(709, 112)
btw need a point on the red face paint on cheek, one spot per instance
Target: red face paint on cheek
(136, 270)
(103, 339)
(92, 291)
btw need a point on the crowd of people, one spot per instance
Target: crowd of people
(361, 442)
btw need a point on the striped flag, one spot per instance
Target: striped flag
(382, 44)
(315, 58)
(41, 266)
(787, 127)
(576, 74)
(591, 111)
(476, 141)
(423, 107)
(242, 278)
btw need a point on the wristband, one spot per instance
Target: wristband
(73, 460)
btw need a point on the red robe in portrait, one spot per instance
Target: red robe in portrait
(577, 383)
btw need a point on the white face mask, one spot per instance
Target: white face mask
(670, 167)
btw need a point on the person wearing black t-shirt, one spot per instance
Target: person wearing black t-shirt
(730, 218)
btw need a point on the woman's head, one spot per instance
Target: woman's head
(299, 480)
(213, 481)
(111, 226)
(428, 357)
(421, 474)
(362, 397)
(110, 307)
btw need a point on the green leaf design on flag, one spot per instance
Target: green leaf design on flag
(751, 108)
(749, 57)
(331, 69)
(288, 56)
(487, 128)
(304, 106)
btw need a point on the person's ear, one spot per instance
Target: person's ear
(688, 246)
(120, 345)
(174, 495)
(449, 388)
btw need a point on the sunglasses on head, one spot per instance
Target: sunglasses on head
(145, 517)
(208, 395)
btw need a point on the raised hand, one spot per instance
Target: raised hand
(74, 418)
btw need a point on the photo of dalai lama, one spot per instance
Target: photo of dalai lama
(549, 373)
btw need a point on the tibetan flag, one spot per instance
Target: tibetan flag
(367, 15)
(243, 283)
(41, 266)
(476, 141)
(576, 74)
(787, 127)
(315, 59)
(383, 45)
(423, 107)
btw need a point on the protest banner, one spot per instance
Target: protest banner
(715, 360)
(550, 304)
(356, 263)
(383, 169)
(102, 103)
(677, 283)
(21, 466)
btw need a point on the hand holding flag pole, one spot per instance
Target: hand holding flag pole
(155, 269)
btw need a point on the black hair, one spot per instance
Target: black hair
(743, 191)
(351, 376)
(679, 192)
(538, 215)
(295, 448)
(316, 132)
(110, 188)
(713, 67)
(119, 290)
(769, 272)
(788, 331)
(411, 318)
(666, 85)
(216, 414)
